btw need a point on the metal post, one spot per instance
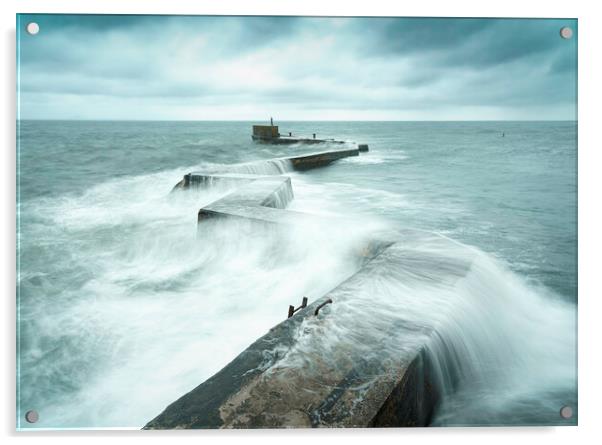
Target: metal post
(292, 310)
(321, 306)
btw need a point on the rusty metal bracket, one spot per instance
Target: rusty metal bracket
(322, 305)
(292, 310)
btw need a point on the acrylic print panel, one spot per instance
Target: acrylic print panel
(269, 222)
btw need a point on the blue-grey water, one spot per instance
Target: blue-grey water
(120, 313)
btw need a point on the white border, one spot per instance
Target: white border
(462, 8)
(589, 214)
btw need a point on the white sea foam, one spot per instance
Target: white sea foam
(132, 308)
(136, 308)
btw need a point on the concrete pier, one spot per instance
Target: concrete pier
(313, 160)
(361, 362)
(356, 357)
(297, 140)
(300, 162)
(270, 134)
(260, 198)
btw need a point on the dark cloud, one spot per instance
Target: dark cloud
(267, 30)
(509, 40)
(464, 41)
(76, 22)
(406, 35)
(165, 66)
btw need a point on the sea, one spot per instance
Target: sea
(121, 309)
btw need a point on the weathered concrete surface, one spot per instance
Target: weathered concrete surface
(264, 132)
(313, 160)
(269, 134)
(299, 162)
(295, 140)
(361, 362)
(260, 198)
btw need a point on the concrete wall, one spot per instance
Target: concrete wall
(359, 363)
(265, 131)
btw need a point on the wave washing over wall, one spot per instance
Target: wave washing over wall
(124, 307)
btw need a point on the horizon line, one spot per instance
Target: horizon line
(298, 120)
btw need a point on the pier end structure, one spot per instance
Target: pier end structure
(270, 134)
(265, 133)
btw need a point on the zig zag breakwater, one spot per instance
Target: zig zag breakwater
(387, 346)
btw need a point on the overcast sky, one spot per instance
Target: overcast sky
(250, 68)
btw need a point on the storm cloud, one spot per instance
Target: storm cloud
(294, 68)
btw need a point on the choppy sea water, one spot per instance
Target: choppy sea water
(121, 311)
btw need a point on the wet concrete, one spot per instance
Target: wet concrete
(285, 140)
(321, 159)
(260, 198)
(356, 364)
(300, 162)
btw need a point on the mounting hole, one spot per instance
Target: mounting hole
(566, 32)
(32, 416)
(32, 28)
(566, 412)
